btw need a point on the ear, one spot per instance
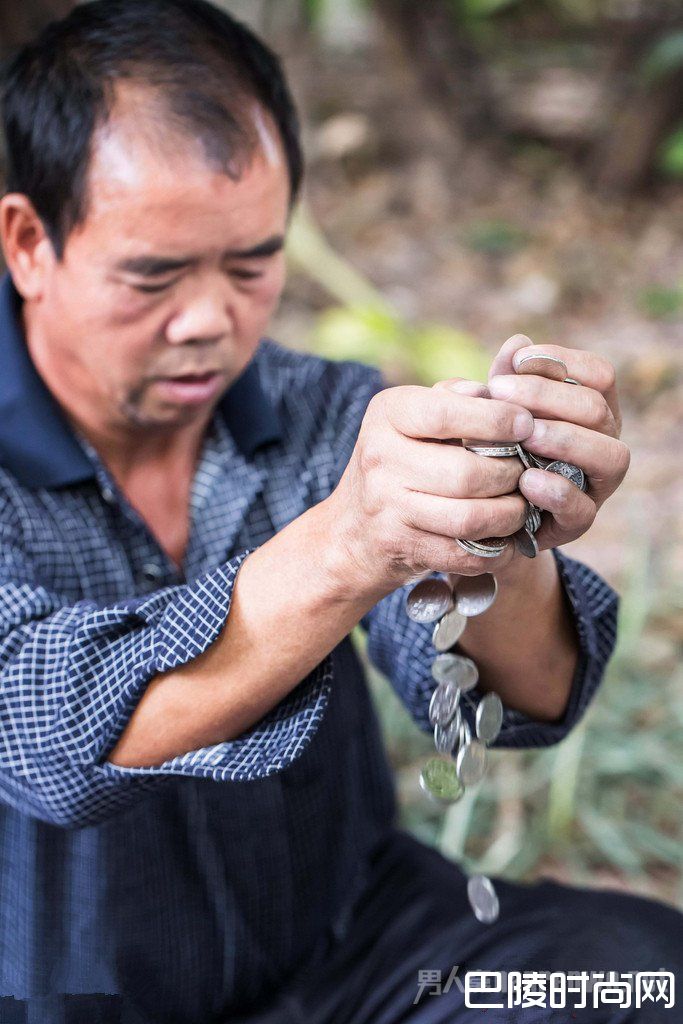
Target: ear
(28, 250)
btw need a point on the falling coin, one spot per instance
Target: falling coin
(439, 779)
(526, 543)
(444, 702)
(483, 899)
(475, 594)
(546, 366)
(445, 736)
(569, 472)
(456, 670)
(471, 763)
(448, 630)
(489, 718)
(429, 600)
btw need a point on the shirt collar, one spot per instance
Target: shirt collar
(39, 446)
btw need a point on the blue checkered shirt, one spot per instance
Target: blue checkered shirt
(194, 886)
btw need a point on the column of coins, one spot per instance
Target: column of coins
(525, 538)
(460, 759)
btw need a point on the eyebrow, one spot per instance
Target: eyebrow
(155, 266)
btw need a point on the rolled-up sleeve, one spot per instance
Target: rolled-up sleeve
(402, 650)
(72, 676)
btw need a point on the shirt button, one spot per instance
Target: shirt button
(108, 495)
(151, 572)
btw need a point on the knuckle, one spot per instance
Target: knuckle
(622, 458)
(599, 411)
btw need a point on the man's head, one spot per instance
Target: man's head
(153, 158)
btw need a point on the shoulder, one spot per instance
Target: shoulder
(285, 371)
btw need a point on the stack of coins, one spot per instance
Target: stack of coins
(461, 757)
(461, 760)
(525, 538)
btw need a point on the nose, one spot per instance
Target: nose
(202, 319)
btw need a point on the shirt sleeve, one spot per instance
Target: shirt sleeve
(72, 675)
(403, 651)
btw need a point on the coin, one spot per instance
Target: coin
(471, 763)
(526, 543)
(570, 380)
(475, 594)
(494, 450)
(456, 670)
(546, 366)
(538, 461)
(483, 899)
(446, 736)
(489, 547)
(448, 630)
(569, 472)
(444, 702)
(439, 779)
(489, 718)
(525, 457)
(533, 518)
(429, 600)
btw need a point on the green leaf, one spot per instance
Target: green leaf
(665, 57)
(670, 157)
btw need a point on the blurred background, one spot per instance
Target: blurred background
(479, 168)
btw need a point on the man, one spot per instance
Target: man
(198, 818)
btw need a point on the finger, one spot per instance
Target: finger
(572, 511)
(502, 363)
(453, 472)
(443, 414)
(444, 554)
(551, 399)
(588, 368)
(603, 459)
(467, 519)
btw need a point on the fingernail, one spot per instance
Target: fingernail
(502, 386)
(520, 354)
(523, 425)
(540, 431)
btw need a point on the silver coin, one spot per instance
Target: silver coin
(489, 718)
(483, 899)
(448, 630)
(493, 451)
(538, 461)
(429, 600)
(569, 472)
(439, 779)
(444, 702)
(446, 736)
(546, 366)
(457, 670)
(525, 457)
(471, 763)
(570, 380)
(490, 547)
(526, 543)
(475, 594)
(533, 518)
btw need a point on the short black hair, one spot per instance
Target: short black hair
(202, 63)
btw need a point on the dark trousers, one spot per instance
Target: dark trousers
(410, 940)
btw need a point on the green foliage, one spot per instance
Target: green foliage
(661, 303)
(670, 160)
(495, 237)
(665, 57)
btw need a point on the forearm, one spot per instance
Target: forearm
(525, 646)
(290, 607)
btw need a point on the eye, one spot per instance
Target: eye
(247, 275)
(152, 289)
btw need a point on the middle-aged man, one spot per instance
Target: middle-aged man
(198, 820)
